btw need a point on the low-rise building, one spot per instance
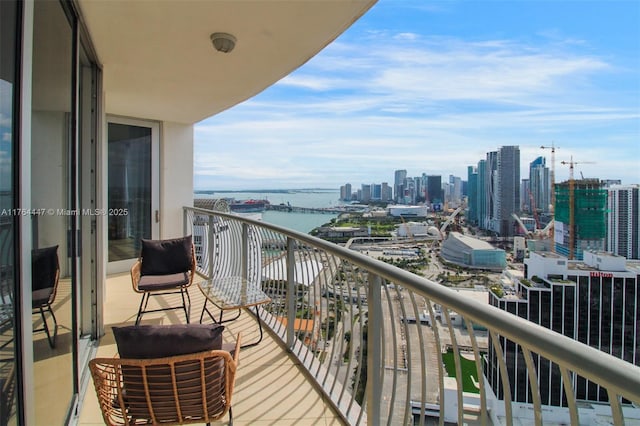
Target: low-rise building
(472, 253)
(342, 232)
(408, 211)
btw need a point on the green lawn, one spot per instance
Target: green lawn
(469, 372)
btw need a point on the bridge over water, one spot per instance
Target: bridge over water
(294, 209)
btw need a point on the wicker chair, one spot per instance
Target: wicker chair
(164, 267)
(182, 389)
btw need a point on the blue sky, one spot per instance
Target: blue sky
(431, 87)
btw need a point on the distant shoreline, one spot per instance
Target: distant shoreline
(264, 191)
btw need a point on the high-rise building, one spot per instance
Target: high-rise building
(490, 191)
(345, 192)
(525, 202)
(419, 189)
(539, 191)
(472, 196)
(508, 189)
(376, 192)
(400, 176)
(365, 196)
(623, 220)
(580, 217)
(481, 194)
(434, 189)
(455, 191)
(595, 301)
(386, 192)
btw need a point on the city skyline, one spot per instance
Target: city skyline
(433, 87)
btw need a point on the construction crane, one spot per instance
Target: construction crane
(572, 236)
(553, 148)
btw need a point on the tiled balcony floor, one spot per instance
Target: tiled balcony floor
(270, 388)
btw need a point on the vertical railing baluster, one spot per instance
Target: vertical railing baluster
(484, 420)
(616, 408)
(457, 366)
(534, 385)
(374, 353)
(210, 245)
(504, 376)
(291, 293)
(571, 396)
(245, 250)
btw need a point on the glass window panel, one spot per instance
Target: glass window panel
(129, 191)
(8, 309)
(51, 171)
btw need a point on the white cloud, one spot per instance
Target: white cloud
(432, 105)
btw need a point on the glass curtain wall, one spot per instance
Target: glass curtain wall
(9, 95)
(63, 130)
(52, 193)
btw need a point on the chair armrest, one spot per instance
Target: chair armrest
(236, 353)
(135, 275)
(193, 264)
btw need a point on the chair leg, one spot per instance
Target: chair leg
(230, 417)
(187, 311)
(52, 340)
(143, 307)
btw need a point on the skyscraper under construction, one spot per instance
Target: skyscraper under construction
(580, 217)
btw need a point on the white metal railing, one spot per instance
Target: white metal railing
(378, 339)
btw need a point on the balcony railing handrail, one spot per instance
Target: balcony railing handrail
(613, 373)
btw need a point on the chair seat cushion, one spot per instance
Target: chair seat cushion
(158, 341)
(163, 282)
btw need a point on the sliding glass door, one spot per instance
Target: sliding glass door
(132, 190)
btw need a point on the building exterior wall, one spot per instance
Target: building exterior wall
(366, 193)
(539, 185)
(584, 301)
(465, 251)
(413, 211)
(176, 176)
(589, 217)
(508, 188)
(434, 189)
(398, 185)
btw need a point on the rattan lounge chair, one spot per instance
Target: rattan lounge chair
(181, 389)
(164, 267)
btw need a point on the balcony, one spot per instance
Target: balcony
(354, 340)
(290, 399)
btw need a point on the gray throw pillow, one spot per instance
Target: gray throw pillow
(164, 257)
(155, 384)
(158, 341)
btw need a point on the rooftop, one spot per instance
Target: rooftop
(471, 242)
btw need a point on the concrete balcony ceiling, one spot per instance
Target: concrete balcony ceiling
(159, 62)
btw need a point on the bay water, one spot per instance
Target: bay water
(301, 222)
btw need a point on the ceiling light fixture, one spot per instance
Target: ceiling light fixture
(223, 42)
